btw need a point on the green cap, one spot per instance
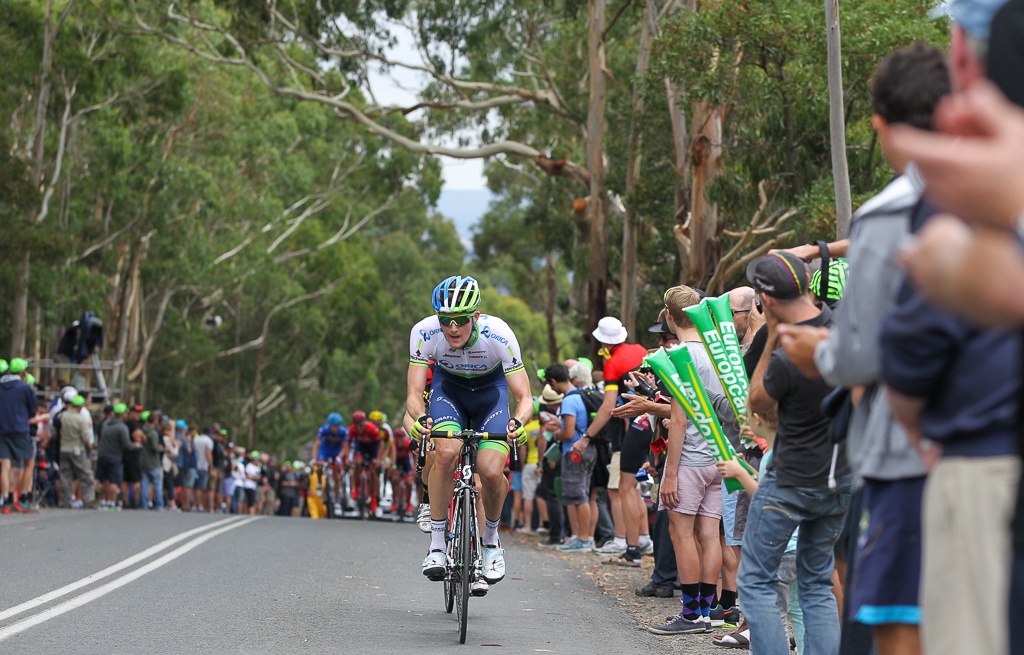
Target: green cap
(78, 401)
(224, 432)
(586, 362)
(3, 366)
(120, 408)
(18, 365)
(145, 415)
(30, 379)
(254, 454)
(297, 464)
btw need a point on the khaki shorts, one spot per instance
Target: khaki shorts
(216, 479)
(700, 492)
(968, 505)
(613, 470)
(531, 478)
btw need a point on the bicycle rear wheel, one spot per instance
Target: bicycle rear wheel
(364, 494)
(465, 564)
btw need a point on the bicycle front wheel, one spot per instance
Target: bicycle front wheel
(449, 581)
(466, 564)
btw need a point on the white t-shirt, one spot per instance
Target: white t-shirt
(202, 445)
(252, 469)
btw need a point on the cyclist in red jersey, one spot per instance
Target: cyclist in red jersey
(402, 470)
(365, 438)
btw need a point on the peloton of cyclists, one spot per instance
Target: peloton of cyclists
(478, 364)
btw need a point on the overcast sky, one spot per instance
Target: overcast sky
(399, 88)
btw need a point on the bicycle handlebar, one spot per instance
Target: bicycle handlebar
(466, 434)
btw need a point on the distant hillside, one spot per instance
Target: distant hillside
(464, 207)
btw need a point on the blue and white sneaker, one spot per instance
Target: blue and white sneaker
(576, 545)
(434, 566)
(493, 569)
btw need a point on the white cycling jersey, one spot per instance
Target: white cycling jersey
(492, 346)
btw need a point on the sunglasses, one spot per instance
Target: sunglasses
(459, 321)
(757, 304)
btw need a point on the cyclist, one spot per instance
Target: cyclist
(332, 445)
(366, 451)
(401, 472)
(478, 363)
(387, 449)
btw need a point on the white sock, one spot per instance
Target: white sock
(620, 542)
(490, 536)
(644, 540)
(437, 535)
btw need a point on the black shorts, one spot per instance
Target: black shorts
(132, 467)
(635, 446)
(248, 496)
(109, 469)
(599, 480)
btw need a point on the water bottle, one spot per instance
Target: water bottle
(575, 456)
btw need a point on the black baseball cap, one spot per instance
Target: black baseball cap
(661, 327)
(781, 275)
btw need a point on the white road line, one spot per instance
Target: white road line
(103, 590)
(110, 570)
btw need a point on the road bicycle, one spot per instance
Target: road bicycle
(363, 481)
(463, 556)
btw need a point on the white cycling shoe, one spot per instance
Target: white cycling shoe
(494, 565)
(479, 587)
(423, 518)
(434, 566)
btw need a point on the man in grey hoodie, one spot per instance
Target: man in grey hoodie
(884, 594)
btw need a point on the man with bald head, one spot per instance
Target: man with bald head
(747, 320)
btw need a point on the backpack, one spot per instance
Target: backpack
(614, 429)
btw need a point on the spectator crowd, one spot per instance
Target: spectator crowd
(60, 455)
(883, 507)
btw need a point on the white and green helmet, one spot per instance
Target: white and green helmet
(457, 295)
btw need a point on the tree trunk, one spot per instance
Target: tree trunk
(630, 227)
(253, 416)
(124, 322)
(19, 313)
(837, 121)
(704, 149)
(549, 308)
(597, 272)
(680, 147)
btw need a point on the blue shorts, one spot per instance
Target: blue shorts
(404, 465)
(202, 479)
(888, 565)
(367, 451)
(17, 448)
(480, 405)
(328, 454)
(517, 481)
(729, 516)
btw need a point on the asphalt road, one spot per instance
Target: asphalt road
(142, 582)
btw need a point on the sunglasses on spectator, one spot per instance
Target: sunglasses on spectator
(459, 321)
(757, 304)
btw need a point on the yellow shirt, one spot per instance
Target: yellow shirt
(532, 432)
